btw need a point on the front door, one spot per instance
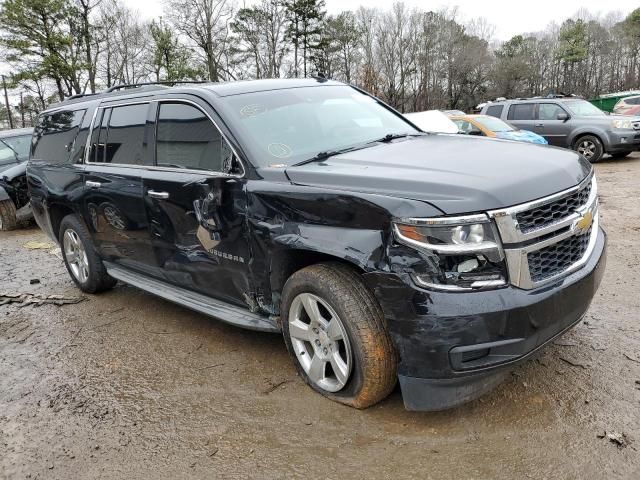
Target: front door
(113, 203)
(550, 127)
(197, 211)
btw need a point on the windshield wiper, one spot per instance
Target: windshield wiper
(327, 154)
(331, 153)
(393, 136)
(15, 153)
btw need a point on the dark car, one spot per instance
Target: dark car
(14, 198)
(310, 208)
(571, 122)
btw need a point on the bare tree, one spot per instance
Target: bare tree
(206, 24)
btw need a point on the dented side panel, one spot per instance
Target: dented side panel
(292, 225)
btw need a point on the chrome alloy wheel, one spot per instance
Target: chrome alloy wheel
(587, 149)
(320, 342)
(76, 255)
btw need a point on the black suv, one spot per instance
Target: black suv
(312, 208)
(571, 122)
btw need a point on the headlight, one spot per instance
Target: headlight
(466, 251)
(624, 123)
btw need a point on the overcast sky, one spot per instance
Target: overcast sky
(508, 17)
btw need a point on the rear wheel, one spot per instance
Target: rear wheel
(335, 331)
(82, 261)
(8, 220)
(590, 147)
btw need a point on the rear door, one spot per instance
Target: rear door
(196, 204)
(113, 199)
(555, 131)
(522, 115)
(55, 173)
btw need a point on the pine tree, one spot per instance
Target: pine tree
(305, 26)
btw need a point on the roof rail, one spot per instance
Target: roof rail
(80, 95)
(122, 86)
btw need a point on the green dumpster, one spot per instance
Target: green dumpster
(608, 101)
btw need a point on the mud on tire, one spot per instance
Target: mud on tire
(374, 362)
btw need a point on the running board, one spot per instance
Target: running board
(221, 310)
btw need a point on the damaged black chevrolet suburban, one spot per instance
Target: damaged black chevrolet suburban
(311, 208)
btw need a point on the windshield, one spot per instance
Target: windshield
(12, 147)
(494, 124)
(285, 127)
(582, 108)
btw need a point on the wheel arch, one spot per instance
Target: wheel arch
(593, 133)
(57, 212)
(286, 262)
(4, 195)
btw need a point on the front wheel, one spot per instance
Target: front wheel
(80, 257)
(8, 219)
(335, 330)
(590, 147)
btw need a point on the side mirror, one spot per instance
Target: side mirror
(563, 116)
(476, 133)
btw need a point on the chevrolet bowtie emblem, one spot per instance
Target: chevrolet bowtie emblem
(584, 223)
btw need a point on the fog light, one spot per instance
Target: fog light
(468, 266)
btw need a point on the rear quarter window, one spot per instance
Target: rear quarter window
(55, 135)
(495, 110)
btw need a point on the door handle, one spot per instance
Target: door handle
(154, 194)
(539, 124)
(91, 184)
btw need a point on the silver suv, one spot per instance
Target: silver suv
(572, 123)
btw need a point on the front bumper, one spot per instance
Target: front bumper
(623, 141)
(453, 347)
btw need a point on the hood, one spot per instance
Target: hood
(13, 171)
(457, 174)
(522, 136)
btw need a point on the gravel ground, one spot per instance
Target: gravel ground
(126, 385)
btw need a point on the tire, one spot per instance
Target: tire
(80, 257)
(368, 352)
(590, 147)
(620, 155)
(8, 220)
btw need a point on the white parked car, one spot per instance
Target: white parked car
(432, 121)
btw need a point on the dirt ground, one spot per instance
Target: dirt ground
(126, 385)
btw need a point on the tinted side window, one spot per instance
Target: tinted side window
(495, 110)
(55, 134)
(633, 101)
(186, 138)
(122, 134)
(549, 111)
(522, 111)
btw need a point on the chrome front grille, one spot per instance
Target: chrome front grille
(550, 213)
(555, 259)
(551, 237)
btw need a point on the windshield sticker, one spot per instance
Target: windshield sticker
(252, 110)
(279, 150)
